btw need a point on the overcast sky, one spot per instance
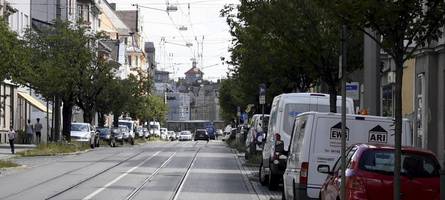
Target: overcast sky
(202, 19)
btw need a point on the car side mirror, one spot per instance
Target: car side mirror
(324, 169)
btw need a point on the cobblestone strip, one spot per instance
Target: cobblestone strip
(252, 172)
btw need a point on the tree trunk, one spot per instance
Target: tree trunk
(88, 116)
(398, 125)
(332, 98)
(101, 119)
(67, 112)
(56, 132)
(115, 120)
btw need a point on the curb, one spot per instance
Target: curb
(246, 180)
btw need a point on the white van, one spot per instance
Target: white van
(285, 108)
(131, 126)
(316, 140)
(155, 128)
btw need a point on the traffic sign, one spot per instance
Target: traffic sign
(262, 100)
(262, 93)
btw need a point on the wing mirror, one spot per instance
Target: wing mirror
(324, 169)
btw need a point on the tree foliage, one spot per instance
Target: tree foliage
(12, 55)
(290, 45)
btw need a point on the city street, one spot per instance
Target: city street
(164, 170)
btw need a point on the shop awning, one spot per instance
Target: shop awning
(33, 101)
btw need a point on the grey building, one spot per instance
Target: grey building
(423, 85)
(430, 97)
(179, 106)
(150, 51)
(204, 103)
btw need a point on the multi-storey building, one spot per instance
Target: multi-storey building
(135, 55)
(423, 91)
(118, 33)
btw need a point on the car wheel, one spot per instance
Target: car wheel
(262, 176)
(273, 181)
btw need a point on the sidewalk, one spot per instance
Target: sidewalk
(252, 174)
(5, 150)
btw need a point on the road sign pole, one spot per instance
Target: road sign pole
(343, 114)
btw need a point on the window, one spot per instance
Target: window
(298, 136)
(129, 61)
(349, 153)
(413, 164)
(83, 12)
(137, 61)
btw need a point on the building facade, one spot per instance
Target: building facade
(423, 91)
(135, 57)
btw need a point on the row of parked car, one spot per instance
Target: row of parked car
(300, 149)
(126, 131)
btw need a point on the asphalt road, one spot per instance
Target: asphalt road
(165, 170)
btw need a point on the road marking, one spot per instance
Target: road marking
(90, 196)
(150, 177)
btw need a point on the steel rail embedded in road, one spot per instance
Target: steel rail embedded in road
(61, 175)
(91, 177)
(149, 178)
(184, 178)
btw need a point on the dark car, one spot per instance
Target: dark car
(104, 133)
(201, 134)
(116, 135)
(369, 174)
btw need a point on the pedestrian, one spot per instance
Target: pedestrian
(11, 137)
(29, 129)
(38, 128)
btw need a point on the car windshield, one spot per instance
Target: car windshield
(127, 124)
(79, 127)
(103, 130)
(200, 132)
(185, 133)
(413, 164)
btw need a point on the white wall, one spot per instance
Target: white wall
(20, 20)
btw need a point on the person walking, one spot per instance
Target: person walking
(38, 128)
(29, 129)
(11, 137)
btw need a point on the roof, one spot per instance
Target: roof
(129, 17)
(108, 11)
(391, 147)
(33, 101)
(193, 70)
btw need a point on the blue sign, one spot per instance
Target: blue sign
(294, 113)
(244, 117)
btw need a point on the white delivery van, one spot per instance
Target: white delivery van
(131, 126)
(155, 128)
(285, 108)
(316, 140)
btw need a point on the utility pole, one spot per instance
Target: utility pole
(342, 74)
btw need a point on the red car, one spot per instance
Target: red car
(369, 174)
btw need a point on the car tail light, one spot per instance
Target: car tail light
(304, 173)
(356, 184)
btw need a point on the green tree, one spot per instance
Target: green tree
(288, 44)
(260, 56)
(96, 78)
(402, 28)
(12, 55)
(58, 56)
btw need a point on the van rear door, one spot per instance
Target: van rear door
(326, 142)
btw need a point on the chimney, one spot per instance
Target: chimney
(113, 6)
